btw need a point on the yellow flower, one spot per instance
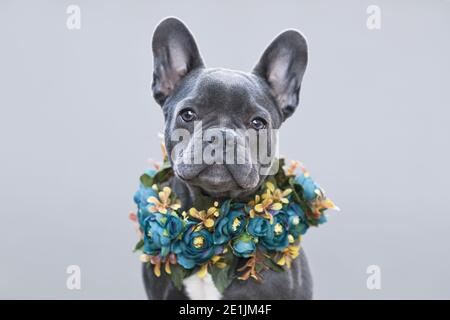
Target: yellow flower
(156, 261)
(266, 206)
(203, 270)
(164, 202)
(321, 203)
(213, 211)
(209, 223)
(277, 195)
(171, 259)
(236, 223)
(207, 217)
(215, 261)
(263, 208)
(198, 242)
(278, 229)
(252, 204)
(144, 258)
(291, 238)
(164, 151)
(288, 255)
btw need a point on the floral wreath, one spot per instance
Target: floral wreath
(212, 237)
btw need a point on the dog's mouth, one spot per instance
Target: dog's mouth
(219, 179)
(215, 179)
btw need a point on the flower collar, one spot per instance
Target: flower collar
(212, 236)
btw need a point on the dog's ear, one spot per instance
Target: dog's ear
(282, 66)
(175, 54)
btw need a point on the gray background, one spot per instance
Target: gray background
(78, 125)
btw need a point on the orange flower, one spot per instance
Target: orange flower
(290, 171)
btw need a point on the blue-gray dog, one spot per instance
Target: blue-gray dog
(225, 100)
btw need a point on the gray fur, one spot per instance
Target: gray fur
(226, 100)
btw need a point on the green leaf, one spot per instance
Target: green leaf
(280, 176)
(203, 202)
(163, 175)
(139, 245)
(259, 267)
(298, 196)
(177, 276)
(273, 266)
(166, 164)
(146, 180)
(222, 278)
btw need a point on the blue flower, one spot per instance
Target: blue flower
(173, 226)
(144, 192)
(141, 199)
(258, 226)
(322, 219)
(229, 226)
(244, 246)
(154, 239)
(277, 237)
(308, 185)
(297, 220)
(159, 232)
(195, 248)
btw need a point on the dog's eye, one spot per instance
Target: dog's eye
(188, 115)
(258, 123)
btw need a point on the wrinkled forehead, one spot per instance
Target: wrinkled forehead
(230, 93)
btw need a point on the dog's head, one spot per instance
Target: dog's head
(212, 111)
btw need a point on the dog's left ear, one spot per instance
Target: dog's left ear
(282, 66)
(175, 54)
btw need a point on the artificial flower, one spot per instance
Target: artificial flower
(154, 240)
(275, 194)
(163, 202)
(206, 218)
(266, 231)
(277, 237)
(311, 190)
(290, 171)
(298, 224)
(244, 246)
(229, 226)
(159, 232)
(195, 247)
(288, 255)
(258, 226)
(266, 208)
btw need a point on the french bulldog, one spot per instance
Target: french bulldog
(224, 100)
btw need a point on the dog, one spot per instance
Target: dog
(225, 100)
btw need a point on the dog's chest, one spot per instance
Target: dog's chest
(201, 288)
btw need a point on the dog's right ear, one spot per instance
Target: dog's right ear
(175, 54)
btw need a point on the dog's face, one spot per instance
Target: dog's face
(213, 111)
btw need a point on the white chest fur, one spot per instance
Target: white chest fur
(201, 289)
